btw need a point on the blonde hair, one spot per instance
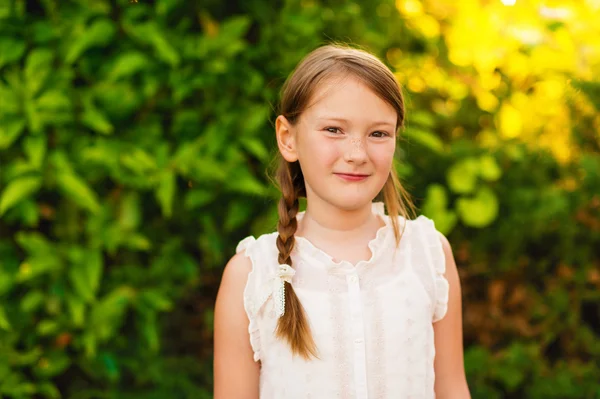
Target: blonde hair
(321, 64)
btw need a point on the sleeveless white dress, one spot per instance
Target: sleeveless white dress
(372, 322)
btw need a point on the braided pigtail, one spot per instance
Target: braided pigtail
(293, 325)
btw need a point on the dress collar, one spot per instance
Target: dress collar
(376, 245)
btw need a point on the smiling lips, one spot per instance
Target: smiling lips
(351, 176)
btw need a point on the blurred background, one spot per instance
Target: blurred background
(134, 139)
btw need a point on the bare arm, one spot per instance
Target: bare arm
(450, 379)
(236, 374)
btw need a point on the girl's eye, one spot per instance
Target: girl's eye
(333, 129)
(379, 134)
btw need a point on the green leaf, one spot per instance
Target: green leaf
(35, 149)
(197, 198)
(47, 327)
(256, 148)
(137, 242)
(18, 190)
(150, 331)
(34, 119)
(462, 176)
(436, 197)
(107, 315)
(6, 281)
(234, 27)
(94, 118)
(151, 33)
(90, 343)
(32, 301)
(77, 310)
(28, 357)
(99, 34)
(48, 390)
(78, 191)
(128, 64)
(165, 192)
(165, 50)
(10, 131)
(85, 273)
(423, 118)
(237, 214)
(480, 210)
(435, 207)
(155, 300)
(4, 323)
(53, 101)
(255, 118)
(37, 68)
(11, 49)
(129, 212)
(489, 168)
(35, 243)
(425, 138)
(139, 161)
(53, 364)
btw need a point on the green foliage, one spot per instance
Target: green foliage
(134, 137)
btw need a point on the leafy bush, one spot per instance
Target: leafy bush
(133, 142)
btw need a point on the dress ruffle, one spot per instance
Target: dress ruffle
(307, 248)
(248, 247)
(438, 259)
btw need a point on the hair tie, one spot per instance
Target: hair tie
(284, 274)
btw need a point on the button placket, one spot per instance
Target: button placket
(356, 318)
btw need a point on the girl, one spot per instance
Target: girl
(344, 300)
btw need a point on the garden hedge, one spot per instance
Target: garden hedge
(134, 140)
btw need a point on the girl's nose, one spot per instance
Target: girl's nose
(355, 150)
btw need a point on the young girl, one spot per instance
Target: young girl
(344, 300)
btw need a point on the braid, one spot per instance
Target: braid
(293, 325)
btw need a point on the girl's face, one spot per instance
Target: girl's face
(344, 142)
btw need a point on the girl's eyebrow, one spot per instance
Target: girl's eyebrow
(346, 121)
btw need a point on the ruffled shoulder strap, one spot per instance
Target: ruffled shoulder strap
(436, 261)
(263, 255)
(245, 244)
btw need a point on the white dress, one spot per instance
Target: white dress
(371, 322)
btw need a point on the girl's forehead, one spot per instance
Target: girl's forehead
(346, 99)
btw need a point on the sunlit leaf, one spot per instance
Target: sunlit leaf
(165, 192)
(100, 33)
(85, 273)
(78, 191)
(37, 69)
(17, 190)
(94, 118)
(4, 323)
(11, 49)
(435, 207)
(128, 64)
(425, 138)
(462, 176)
(489, 168)
(480, 210)
(107, 314)
(35, 148)
(10, 131)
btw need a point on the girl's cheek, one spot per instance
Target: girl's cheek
(382, 155)
(328, 149)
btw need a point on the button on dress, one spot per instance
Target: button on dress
(372, 322)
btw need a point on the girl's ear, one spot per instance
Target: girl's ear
(286, 139)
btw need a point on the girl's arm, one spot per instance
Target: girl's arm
(450, 379)
(236, 374)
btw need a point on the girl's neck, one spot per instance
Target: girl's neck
(329, 224)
